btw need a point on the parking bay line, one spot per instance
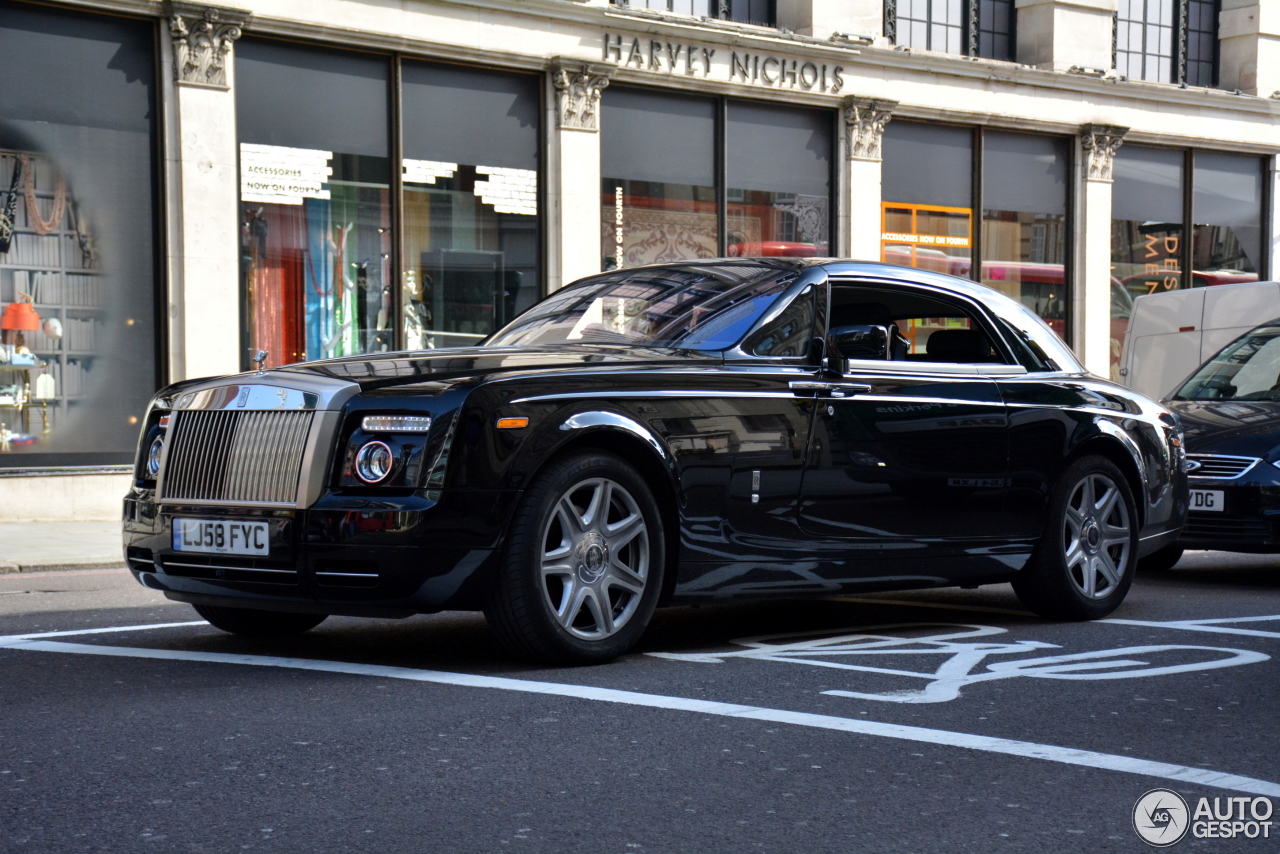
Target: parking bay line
(944, 738)
(1210, 626)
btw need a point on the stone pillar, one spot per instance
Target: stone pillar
(573, 173)
(203, 254)
(860, 186)
(1058, 35)
(1249, 47)
(1091, 281)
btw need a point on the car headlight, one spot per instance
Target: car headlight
(374, 461)
(154, 453)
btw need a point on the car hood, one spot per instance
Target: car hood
(1246, 428)
(380, 370)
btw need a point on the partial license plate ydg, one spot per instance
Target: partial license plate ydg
(221, 536)
(1207, 501)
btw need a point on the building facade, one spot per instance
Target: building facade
(183, 185)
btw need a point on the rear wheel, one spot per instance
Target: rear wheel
(259, 624)
(582, 570)
(1083, 565)
(1161, 561)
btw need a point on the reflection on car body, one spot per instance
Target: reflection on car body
(671, 434)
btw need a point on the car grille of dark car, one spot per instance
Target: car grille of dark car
(250, 457)
(1217, 467)
(1200, 527)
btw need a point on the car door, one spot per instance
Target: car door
(908, 455)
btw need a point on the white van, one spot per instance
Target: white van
(1171, 334)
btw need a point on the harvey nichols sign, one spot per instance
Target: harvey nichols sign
(690, 60)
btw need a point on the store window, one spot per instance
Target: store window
(1167, 41)
(661, 200)
(984, 28)
(471, 239)
(78, 258)
(1024, 221)
(927, 213)
(659, 192)
(315, 201)
(778, 204)
(1226, 240)
(1147, 249)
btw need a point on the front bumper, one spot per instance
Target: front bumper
(358, 556)
(1249, 520)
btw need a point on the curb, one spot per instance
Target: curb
(59, 564)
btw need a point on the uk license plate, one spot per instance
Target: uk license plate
(221, 536)
(1207, 501)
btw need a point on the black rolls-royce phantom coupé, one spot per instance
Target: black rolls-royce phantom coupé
(673, 434)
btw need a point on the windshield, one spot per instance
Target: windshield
(698, 307)
(1246, 369)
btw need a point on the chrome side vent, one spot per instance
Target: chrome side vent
(1219, 467)
(246, 457)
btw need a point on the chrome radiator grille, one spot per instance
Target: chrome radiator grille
(1220, 467)
(254, 457)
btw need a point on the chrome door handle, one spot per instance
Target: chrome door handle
(847, 389)
(835, 389)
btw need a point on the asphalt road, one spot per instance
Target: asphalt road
(940, 721)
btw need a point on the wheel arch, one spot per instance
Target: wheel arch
(625, 437)
(1124, 454)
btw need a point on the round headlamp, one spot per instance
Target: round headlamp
(373, 462)
(153, 456)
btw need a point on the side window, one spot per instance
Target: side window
(786, 335)
(922, 328)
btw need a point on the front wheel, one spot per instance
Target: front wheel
(259, 624)
(1083, 565)
(582, 569)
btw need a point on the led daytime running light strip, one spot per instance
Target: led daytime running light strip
(397, 423)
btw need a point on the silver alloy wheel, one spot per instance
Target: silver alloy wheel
(1096, 536)
(595, 559)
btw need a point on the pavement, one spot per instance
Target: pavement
(54, 546)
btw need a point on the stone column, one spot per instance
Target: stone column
(824, 18)
(860, 185)
(1249, 47)
(203, 254)
(1091, 281)
(573, 172)
(1058, 35)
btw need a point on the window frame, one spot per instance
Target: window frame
(723, 9)
(971, 30)
(1181, 57)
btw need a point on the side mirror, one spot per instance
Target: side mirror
(860, 342)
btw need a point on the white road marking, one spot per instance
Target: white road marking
(965, 648)
(10, 640)
(988, 744)
(1211, 626)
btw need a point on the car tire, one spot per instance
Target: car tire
(254, 623)
(1084, 563)
(1161, 561)
(583, 564)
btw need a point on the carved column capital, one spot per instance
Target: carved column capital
(864, 121)
(1100, 144)
(578, 88)
(202, 38)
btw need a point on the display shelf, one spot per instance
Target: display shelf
(64, 284)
